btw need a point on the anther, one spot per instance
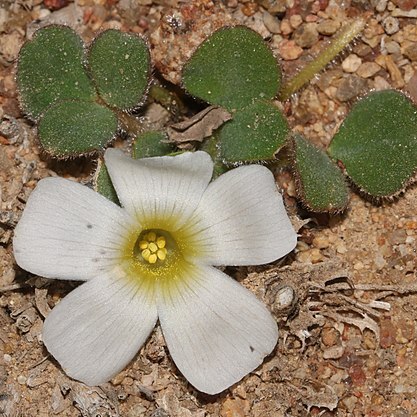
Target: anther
(152, 247)
(162, 254)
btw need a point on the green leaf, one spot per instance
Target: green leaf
(321, 185)
(120, 66)
(103, 183)
(76, 127)
(50, 68)
(255, 133)
(232, 68)
(377, 143)
(151, 143)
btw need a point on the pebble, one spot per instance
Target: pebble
(392, 47)
(411, 51)
(296, 20)
(289, 50)
(405, 5)
(381, 5)
(362, 50)
(401, 13)
(368, 69)
(271, 23)
(350, 88)
(235, 408)
(321, 242)
(391, 25)
(306, 35)
(351, 63)
(334, 352)
(21, 380)
(394, 72)
(387, 333)
(330, 336)
(285, 27)
(328, 27)
(358, 266)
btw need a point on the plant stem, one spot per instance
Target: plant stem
(342, 39)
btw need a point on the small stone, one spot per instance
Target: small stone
(411, 51)
(350, 88)
(321, 242)
(328, 27)
(393, 47)
(394, 72)
(358, 266)
(334, 352)
(55, 4)
(271, 23)
(330, 336)
(381, 5)
(402, 13)
(341, 248)
(235, 408)
(250, 8)
(289, 51)
(21, 380)
(285, 27)
(351, 63)
(316, 256)
(362, 50)
(296, 20)
(368, 69)
(391, 25)
(357, 374)
(306, 35)
(406, 5)
(387, 333)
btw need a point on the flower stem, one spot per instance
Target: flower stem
(345, 36)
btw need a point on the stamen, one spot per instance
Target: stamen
(152, 246)
(151, 237)
(161, 242)
(152, 258)
(162, 254)
(146, 254)
(143, 244)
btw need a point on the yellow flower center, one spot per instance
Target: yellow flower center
(153, 248)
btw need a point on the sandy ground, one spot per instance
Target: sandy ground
(348, 337)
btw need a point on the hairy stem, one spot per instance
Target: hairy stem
(340, 42)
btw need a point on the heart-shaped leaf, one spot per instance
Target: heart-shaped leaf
(321, 185)
(232, 68)
(50, 68)
(255, 133)
(377, 143)
(120, 66)
(76, 127)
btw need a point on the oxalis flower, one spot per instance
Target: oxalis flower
(153, 258)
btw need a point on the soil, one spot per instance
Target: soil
(344, 299)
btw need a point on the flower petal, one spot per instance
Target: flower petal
(241, 220)
(216, 330)
(96, 330)
(68, 231)
(164, 188)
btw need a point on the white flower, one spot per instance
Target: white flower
(152, 259)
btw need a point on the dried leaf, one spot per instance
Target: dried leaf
(199, 126)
